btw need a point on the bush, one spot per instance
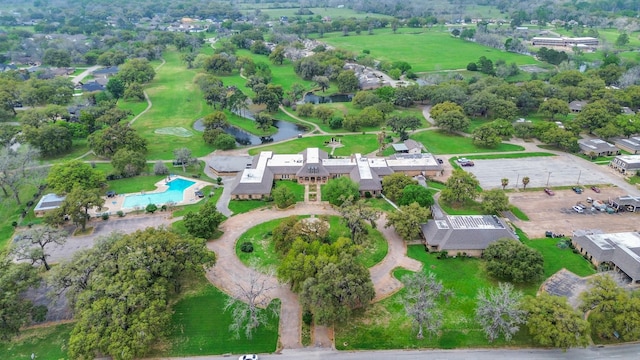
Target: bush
(120, 213)
(367, 195)
(472, 66)
(105, 216)
(151, 208)
(159, 168)
(246, 247)
(30, 203)
(14, 223)
(163, 207)
(307, 317)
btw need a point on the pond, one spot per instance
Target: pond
(318, 99)
(286, 130)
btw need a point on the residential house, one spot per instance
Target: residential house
(620, 251)
(463, 234)
(576, 106)
(92, 86)
(106, 72)
(597, 147)
(314, 166)
(626, 164)
(631, 144)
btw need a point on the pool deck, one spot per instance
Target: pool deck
(114, 204)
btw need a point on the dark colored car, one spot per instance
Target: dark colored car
(549, 191)
(467, 163)
(577, 190)
(596, 189)
(111, 194)
(199, 194)
(440, 161)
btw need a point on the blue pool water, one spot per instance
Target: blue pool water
(174, 193)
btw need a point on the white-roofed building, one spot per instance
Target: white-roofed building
(620, 251)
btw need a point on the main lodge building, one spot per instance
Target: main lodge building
(315, 166)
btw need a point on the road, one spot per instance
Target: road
(84, 74)
(591, 353)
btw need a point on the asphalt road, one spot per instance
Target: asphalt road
(595, 353)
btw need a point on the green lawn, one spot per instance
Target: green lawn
(556, 258)
(440, 142)
(425, 50)
(469, 207)
(46, 343)
(146, 182)
(297, 189)
(243, 206)
(380, 204)
(264, 255)
(363, 144)
(385, 325)
(199, 326)
(177, 102)
(10, 211)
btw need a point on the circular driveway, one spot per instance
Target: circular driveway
(561, 170)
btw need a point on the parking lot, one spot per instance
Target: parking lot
(542, 171)
(555, 213)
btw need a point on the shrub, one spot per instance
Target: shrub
(163, 207)
(151, 208)
(120, 213)
(307, 317)
(159, 168)
(246, 247)
(472, 66)
(105, 216)
(367, 195)
(30, 203)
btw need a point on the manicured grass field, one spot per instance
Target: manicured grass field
(297, 189)
(264, 255)
(147, 182)
(199, 326)
(440, 142)
(10, 211)
(363, 144)
(423, 50)
(556, 258)
(177, 102)
(243, 206)
(45, 343)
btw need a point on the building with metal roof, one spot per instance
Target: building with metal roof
(598, 147)
(631, 144)
(620, 251)
(314, 166)
(626, 164)
(48, 202)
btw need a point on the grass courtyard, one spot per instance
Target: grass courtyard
(440, 142)
(358, 143)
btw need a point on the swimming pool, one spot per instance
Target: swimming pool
(174, 193)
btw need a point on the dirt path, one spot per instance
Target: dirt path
(146, 97)
(314, 126)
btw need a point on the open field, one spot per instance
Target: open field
(46, 343)
(177, 102)
(363, 144)
(440, 142)
(424, 50)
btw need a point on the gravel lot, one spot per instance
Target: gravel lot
(558, 170)
(554, 213)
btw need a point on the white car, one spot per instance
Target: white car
(248, 357)
(578, 209)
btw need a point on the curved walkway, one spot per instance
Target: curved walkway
(146, 97)
(229, 271)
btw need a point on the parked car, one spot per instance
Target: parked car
(596, 189)
(468, 163)
(577, 190)
(589, 199)
(199, 194)
(578, 209)
(549, 191)
(462, 160)
(440, 161)
(248, 357)
(581, 205)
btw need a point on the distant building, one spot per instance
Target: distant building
(564, 41)
(626, 164)
(576, 106)
(620, 251)
(48, 202)
(468, 234)
(626, 203)
(631, 144)
(598, 147)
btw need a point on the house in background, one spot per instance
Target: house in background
(463, 234)
(619, 251)
(597, 147)
(576, 106)
(626, 164)
(631, 145)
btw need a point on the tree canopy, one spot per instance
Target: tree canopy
(408, 219)
(510, 260)
(340, 189)
(66, 175)
(393, 186)
(553, 322)
(15, 309)
(205, 222)
(461, 186)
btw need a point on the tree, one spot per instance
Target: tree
(204, 223)
(449, 116)
(499, 311)
(394, 185)
(184, 158)
(347, 82)
(525, 182)
(78, 202)
(494, 200)
(107, 141)
(504, 182)
(355, 215)
(622, 40)
(337, 289)
(553, 322)
(249, 310)
(400, 124)
(128, 163)
(30, 245)
(263, 121)
(136, 71)
(56, 58)
(408, 219)
(224, 142)
(296, 92)
(487, 136)
(215, 120)
(18, 169)
(283, 196)
(116, 87)
(340, 189)
(422, 292)
(461, 186)
(510, 260)
(63, 177)
(16, 309)
(218, 64)
(134, 92)
(322, 82)
(553, 107)
(612, 310)
(277, 56)
(51, 139)
(120, 290)
(416, 193)
(323, 113)
(159, 168)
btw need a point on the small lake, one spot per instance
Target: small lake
(286, 130)
(319, 99)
